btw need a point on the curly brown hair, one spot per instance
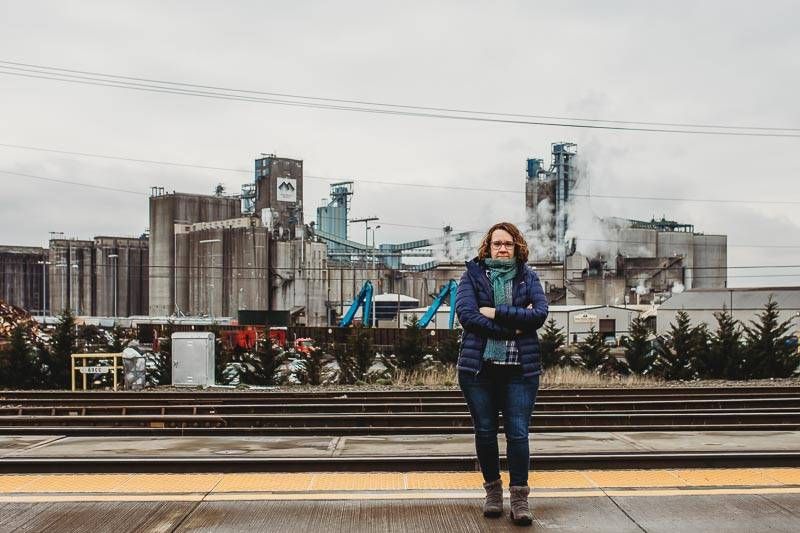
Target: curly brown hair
(520, 246)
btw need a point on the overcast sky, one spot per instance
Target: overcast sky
(734, 63)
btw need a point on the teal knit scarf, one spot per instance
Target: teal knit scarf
(501, 271)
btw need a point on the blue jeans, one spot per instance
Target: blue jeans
(496, 389)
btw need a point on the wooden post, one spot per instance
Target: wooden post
(83, 374)
(114, 370)
(72, 375)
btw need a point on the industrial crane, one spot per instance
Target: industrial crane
(364, 298)
(450, 289)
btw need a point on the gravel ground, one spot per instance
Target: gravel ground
(783, 382)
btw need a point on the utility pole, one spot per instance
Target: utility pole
(366, 221)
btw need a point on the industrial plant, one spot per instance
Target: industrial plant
(218, 255)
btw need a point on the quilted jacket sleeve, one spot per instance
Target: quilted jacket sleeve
(470, 317)
(523, 318)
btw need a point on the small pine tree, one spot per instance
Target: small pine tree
(411, 347)
(259, 366)
(313, 364)
(42, 365)
(17, 368)
(162, 365)
(117, 335)
(639, 352)
(768, 351)
(677, 351)
(63, 346)
(593, 351)
(359, 344)
(348, 368)
(726, 350)
(701, 349)
(448, 348)
(551, 345)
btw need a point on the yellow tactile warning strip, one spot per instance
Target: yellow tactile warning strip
(358, 481)
(377, 485)
(169, 483)
(264, 482)
(83, 483)
(739, 476)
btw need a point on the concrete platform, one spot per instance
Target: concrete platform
(596, 501)
(597, 515)
(410, 445)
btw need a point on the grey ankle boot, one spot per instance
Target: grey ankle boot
(493, 505)
(520, 512)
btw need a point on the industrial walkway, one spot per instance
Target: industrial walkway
(591, 500)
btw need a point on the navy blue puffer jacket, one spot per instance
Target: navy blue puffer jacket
(475, 291)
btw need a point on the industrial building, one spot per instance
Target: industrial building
(577, 321)
(622, 261)
(23, 274)
(107, 276)
(217, 254)
(172, 215)
(743, 304)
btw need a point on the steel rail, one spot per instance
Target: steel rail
(540, 462)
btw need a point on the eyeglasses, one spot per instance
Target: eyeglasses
(502, 244)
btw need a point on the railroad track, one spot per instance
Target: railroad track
(425, 415)
(389, 413)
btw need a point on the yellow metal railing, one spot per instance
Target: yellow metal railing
(86, 369)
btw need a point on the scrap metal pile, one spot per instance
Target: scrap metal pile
(11, 317)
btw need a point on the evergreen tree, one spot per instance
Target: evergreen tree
(411, 347)
(701, 349)
(551, 345)
(593, 351)
(678, 349)
(259, 366)
(314, 361)
(348, 368)
(639, 351)
(63, 346)
(91, 339)
(162, 365)
(768, 351)
(43, 362)
(449, 347)
(116, 342)
(359, 344)
(17, 370)
(726, 350)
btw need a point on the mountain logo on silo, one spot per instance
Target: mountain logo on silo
(285, 186)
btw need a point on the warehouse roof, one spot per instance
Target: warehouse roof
(735, 298)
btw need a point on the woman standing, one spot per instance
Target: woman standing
(500, 304)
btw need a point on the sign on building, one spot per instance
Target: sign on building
(287, 189)
(585, 318)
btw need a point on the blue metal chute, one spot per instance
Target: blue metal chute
(450, 289)
(364, 298)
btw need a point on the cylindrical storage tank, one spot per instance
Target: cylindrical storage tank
(387, 305)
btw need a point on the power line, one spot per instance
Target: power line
(105, 80)
(14, 64)
(70, 182)
(539, 269)
(404, 184)
(194, 276)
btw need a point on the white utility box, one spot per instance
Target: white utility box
(193, 359)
